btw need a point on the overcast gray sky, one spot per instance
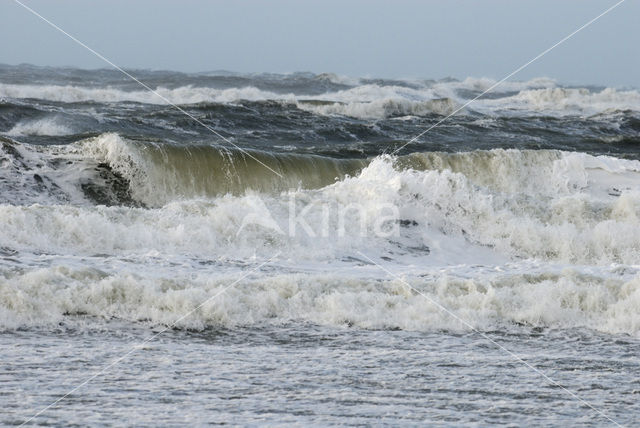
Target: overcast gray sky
(399, 38)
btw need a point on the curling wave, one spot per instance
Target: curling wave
(548, 205)
(114, 170)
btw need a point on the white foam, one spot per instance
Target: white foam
(383, 108)
(48, 126)
(180, 95)
(338, 79)
(567, 298)
(367, 101)
(484, 83)
(567, 101)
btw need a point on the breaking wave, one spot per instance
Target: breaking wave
(569, 101)
(365, 100)
(158, 174)
(48, 126)
(180, 95)
(115, 170)
(565, 299)
(382, 108)
(549, 205)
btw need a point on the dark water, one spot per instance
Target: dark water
(278, 113)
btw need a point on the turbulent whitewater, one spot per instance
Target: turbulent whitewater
(115, 205)
(312, 232)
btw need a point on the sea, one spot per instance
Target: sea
(310, 249)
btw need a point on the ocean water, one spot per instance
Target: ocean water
(295, 271)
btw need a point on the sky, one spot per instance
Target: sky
(391, 38)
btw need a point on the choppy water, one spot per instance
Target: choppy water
(521, 214)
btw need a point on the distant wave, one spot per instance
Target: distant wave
(51, 126)
(383, 108)
(368, 100)
(181, 95)
(568, 101)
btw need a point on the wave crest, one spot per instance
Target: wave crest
(158, 174)
(48, 126)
